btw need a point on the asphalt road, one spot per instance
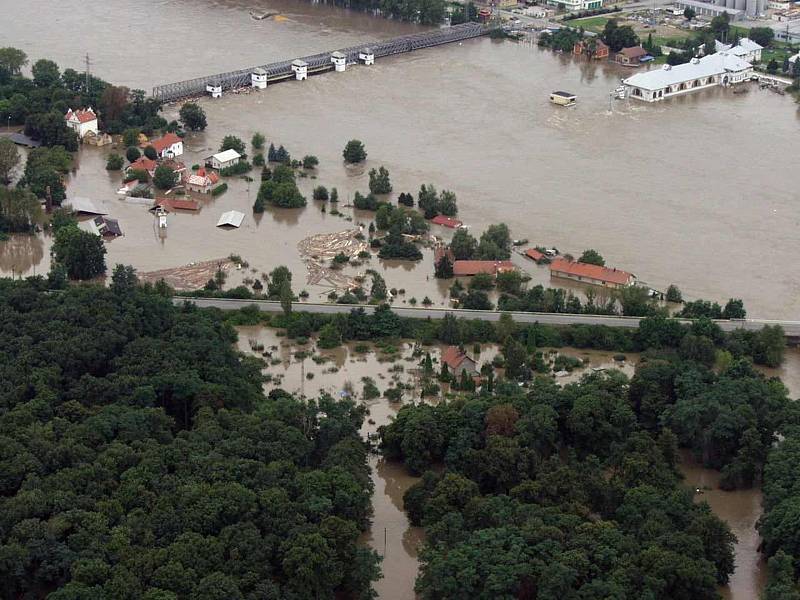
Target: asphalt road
(792, 328)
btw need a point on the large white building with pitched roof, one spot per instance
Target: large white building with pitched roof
(720, 68)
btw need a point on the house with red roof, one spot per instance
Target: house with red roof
(168, 146)
(468, 268)
(457, 361)
(446, 221)
(82, 121)
(631, 57)
(591, 274)
(142, 164)
(202, 181)
(534, 254)
(174, 203)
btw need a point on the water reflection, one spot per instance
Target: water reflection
(22, 254)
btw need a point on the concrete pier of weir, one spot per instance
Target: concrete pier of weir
(262, 76)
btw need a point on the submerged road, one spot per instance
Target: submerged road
(791, 328)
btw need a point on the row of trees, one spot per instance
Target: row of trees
(166, 474)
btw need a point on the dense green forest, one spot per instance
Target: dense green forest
(574, 492)
(139, 459)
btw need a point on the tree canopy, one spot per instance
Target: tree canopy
(141, 460)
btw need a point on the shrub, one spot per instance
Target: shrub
(132, 153)
(220, 189)
(114, 162)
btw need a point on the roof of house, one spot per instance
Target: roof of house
(464, 268)
(599, 273)
(633, 52)
(80, 204)
(81, 115)
(23, 140)
(177, 203)
(534, 254)
(175, 165)
(446, 221)
(452, 356)
(107, 226)
(164, 142)
(564, 94)
(713, 64)
(750, 45)
(144, 164)
(227, 156)
(212, 176)
(233, 218)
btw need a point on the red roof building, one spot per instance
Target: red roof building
(631, 56)
(177, 204)
(457, 361)
(467, 268)
(446, 221)
(534, 254)
(81, 115)
(592, 274)
(143, 164)
(167, 146)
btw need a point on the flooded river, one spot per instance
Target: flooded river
(695, 191)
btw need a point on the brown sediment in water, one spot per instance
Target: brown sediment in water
(188, 277)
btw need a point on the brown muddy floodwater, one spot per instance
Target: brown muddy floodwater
(740, 509)
(695, 191)
(390, 534)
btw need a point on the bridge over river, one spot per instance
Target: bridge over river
(282, 70)
(790, 328)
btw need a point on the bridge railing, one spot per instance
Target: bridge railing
(241, 78)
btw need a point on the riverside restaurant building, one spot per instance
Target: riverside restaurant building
(720, 68)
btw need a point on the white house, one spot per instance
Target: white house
(168, 146)
(573, 5)
(82, 121)
(719, 68)
(222, 160)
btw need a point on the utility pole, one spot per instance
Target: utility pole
(88, 67)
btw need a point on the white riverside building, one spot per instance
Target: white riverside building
(720, 68)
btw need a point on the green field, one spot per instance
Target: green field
(593, 24)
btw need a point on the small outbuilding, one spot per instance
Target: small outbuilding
(232, 218)
(225, 159)
(446, 222)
